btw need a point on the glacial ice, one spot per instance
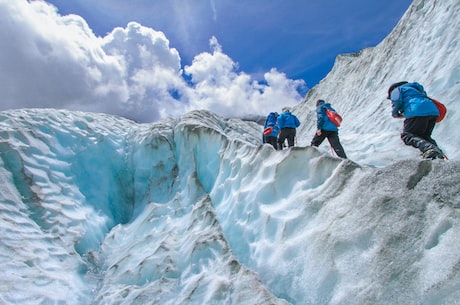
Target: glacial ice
(97, 209)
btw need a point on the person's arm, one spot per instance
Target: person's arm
(319, 118)
(397, 104)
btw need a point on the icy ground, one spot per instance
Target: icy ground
(100, 210)
(96, 209)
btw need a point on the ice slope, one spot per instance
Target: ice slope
(423, 47)
(96, 209)
(72, 180)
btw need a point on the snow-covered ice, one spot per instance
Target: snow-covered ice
(97, 209)
(100, 210)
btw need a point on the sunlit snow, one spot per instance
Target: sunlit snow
(97, 209)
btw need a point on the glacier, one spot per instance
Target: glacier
(98, 209)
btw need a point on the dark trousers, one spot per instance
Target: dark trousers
(333, 138)
(417, 133)
(273, 141)
(286, 133)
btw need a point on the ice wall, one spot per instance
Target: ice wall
(423, 47)
(107, 211)
(98, 209)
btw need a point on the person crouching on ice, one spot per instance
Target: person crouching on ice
(327, 129)
(410, 101)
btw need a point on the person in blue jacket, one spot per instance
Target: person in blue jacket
(326, 129)
(287, 123)
(410, 101)
(271, 129)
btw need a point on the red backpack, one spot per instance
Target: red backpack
(441, 108)
(268, 130)
(334, 117)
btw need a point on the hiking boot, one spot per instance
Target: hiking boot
(433, 154)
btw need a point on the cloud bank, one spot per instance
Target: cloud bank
(57, 61)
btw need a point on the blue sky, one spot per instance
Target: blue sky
(149, 59)
(298, 37)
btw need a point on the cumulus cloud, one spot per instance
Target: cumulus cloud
(56, 61)
(219, 87)
(151, 71)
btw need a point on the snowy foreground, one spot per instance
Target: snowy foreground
(95, 209)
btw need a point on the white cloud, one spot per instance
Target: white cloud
(57, 61)
(51, 61)
(219, 87)
(152, 70)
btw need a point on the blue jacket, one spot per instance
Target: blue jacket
(323, 122)
(410, 100)
(271, 120)
(288, 120)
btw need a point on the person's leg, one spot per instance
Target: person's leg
(430, 122)
(291, 137)
(318, 139)
(414, 133)
(281, 138)
(333, 138)
(273, 141)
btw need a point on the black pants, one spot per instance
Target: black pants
(286, 133)
(333, 138)
(273, 141)
(417, 133)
